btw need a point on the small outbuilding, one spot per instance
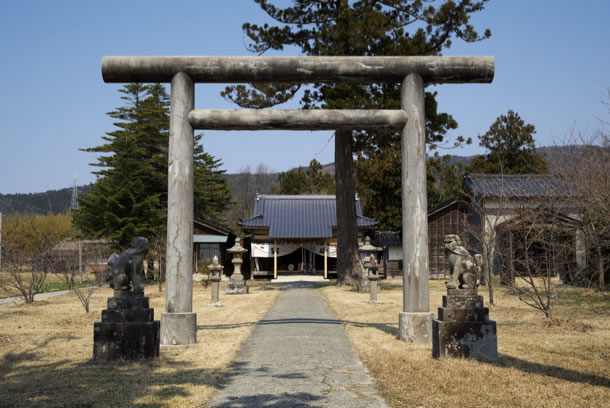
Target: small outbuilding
(210, 240)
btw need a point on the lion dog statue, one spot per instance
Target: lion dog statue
(126, 269)
(464, 269)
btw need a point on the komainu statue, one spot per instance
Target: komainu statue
(464, 269)
(126, 269)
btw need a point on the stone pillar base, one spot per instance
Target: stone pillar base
(127, 331)
(178, 329)
(463, 328)
(415, 327)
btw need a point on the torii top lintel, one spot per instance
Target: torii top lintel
(433, 69)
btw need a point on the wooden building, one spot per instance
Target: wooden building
(391, 256)
(450, 217)
(209, 240)
(296, 234)
(502, 205)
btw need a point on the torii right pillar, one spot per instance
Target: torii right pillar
(415, 320)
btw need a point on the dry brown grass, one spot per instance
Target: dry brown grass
(46, 347)
(563, 364)
(7, 291)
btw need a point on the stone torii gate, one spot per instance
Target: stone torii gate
(178, 323)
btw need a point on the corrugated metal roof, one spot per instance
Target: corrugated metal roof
(516, 186)
(299, 216)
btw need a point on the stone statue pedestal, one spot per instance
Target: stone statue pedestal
(237, 286)
(463, 328)
(128, 330)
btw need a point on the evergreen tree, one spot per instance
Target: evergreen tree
(511, 148)
(129, 197)
(364, 27)
(447, 179)
(212, 193)
(309, 181)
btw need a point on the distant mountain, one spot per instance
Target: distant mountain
(49, 202)
(58, 201)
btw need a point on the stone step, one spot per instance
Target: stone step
(127, 300)
(462, 292)
(129, 315)
(462, 301)
(463, 314)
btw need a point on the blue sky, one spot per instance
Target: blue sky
(552, 67)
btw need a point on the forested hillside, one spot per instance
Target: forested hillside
(243, 187)
(49, 202)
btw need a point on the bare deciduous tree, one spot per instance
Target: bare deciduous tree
(25, 242)
(75, 258)
(539, 252)
(586, 166)
(21, 273)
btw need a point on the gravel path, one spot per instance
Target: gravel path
(38, 296)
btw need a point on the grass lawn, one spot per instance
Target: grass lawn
(562, 364)
(46, 348)
(51, 283)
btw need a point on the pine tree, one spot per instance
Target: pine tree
(511, 148)
(364, 27)
(212, 193)
(309, 181)
(129, 197)
(446, 181)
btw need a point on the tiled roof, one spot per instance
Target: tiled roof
(299, 216)
(516, 186)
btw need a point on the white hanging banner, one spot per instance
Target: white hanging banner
(265, 250)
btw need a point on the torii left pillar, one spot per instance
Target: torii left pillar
(179, 323)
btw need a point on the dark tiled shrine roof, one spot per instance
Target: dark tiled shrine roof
(289, 216)
(517, 186)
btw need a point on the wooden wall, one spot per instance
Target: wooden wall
(451, 219)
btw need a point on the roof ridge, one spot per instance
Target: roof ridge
(295, 196)
(487, 175)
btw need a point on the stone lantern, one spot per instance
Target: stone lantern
(215, 270)
(237, 284)
(372, 267)
(367, 249)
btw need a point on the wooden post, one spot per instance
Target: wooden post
(325, 259)
(274, 259)
(179, 323)
(365, 69)
(300, 119)
(415, 321)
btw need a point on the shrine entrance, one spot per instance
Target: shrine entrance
(178, 323)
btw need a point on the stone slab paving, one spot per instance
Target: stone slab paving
(298, 356)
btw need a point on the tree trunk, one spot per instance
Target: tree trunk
(348, 261)
(602, 272)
